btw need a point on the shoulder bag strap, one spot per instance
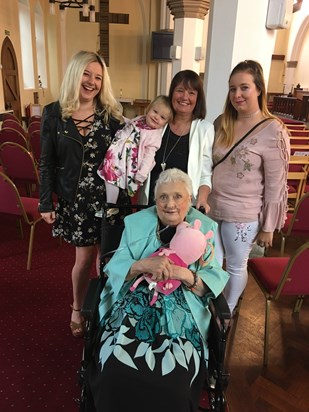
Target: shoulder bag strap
(239, 141)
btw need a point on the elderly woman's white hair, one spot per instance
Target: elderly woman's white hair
(172, 176)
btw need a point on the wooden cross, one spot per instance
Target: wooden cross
(105, 18)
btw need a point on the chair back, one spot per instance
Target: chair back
(35, 143)
(10, 202)
(7, 134)
(11, 116)
(293, 126)
(13, 124)
(35, 118)
(299, 222)
(296, 141)
(18, 163)
(35, 125)
(295, 280)
(300, 133)
(26, 207)
(296, 181)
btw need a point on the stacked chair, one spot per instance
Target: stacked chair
(24, 208)
(8, 134)
(298, 167)
(19, 164)
(13, 131)
(281, 276)
(19, 178)
(297, 223)
(13, 124)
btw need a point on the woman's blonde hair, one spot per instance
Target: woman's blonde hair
(227, 120)
(105, 102)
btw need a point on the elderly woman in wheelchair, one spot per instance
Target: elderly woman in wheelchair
(153, 357)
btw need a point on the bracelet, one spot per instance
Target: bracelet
(195, 281)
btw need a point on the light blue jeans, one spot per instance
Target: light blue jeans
(234, 241)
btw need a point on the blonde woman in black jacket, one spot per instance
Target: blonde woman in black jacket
(75, 134)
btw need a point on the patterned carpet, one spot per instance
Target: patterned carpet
(39, 358)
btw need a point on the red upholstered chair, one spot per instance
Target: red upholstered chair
(296, 181)
(13, 124)
(281, 276)
(299, 133)
(35, 125)
(11, 116)
(25, 208)
(297, 223)
(7, 134)
(299, 140)
(35, 143)
(35, 118)
(19, 164)
(294, 126)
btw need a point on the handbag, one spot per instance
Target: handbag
(239, 141)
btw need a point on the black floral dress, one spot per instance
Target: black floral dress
(77, 222)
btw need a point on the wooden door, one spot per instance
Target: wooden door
(10, 78)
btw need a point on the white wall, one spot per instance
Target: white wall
(236, 32)
(298, 48)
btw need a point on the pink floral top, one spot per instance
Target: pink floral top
(130, 157)
(251, 183)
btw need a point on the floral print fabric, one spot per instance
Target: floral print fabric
(76, 222)
(250, 184)
(163, 336)
(120, 163)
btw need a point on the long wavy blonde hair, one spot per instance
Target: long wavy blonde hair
(105, 102)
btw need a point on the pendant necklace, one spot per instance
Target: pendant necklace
(166, 156)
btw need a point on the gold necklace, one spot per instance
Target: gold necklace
(166, 156)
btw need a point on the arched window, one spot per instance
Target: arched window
(26, 43)
(40, 45)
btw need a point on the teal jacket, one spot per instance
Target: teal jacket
(140, 240)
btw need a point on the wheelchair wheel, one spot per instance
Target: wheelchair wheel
(209, 403)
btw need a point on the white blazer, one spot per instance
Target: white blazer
(201, 140)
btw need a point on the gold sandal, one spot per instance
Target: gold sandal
(77, 328)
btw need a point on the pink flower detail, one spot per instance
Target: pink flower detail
(110, 173)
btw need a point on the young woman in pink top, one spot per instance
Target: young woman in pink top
(130, 157)
(249, 193)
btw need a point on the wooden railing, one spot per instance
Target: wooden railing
(289, 107)
(304, 115)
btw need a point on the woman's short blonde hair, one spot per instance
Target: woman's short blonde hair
(172, 176)
(105, 102)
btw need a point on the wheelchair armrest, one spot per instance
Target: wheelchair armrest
(217, 338)
(220, 312)
(92, 298)
(220, 308)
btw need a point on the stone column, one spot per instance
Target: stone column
(188, 30)
(189, 8)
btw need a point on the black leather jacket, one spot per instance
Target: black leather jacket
(61, 159)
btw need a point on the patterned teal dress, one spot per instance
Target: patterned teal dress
(148, 358)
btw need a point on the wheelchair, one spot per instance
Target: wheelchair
(213, 395)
